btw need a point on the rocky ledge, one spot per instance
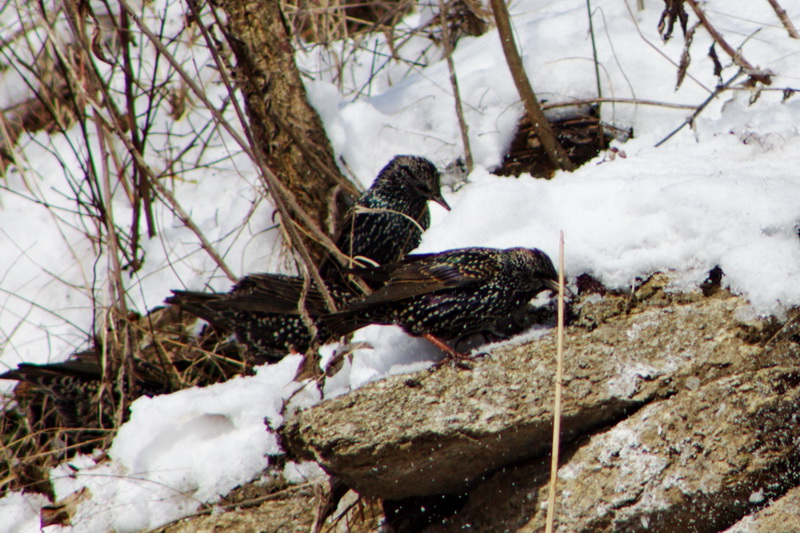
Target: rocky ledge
(680, 412)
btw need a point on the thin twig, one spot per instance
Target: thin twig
(246, 504)
(141, 191)
(600, 134)
(657, 49)
(345, 184)
(701, 107)
(555, 152)
(594, 51)
(787, 22)
(111, 234)
(115, 125)
(551, 500)
(735, 55)
(285, 202)
(281, 196)
(243, 144)
(448, 52)
(144, 167)
(189, 223)
(634, 101)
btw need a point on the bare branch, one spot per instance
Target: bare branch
(701, 107)
(448, 52)
(555, 152)
(784, 18)
(735, 55)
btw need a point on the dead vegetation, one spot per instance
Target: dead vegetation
(63, 409)
(580, 132)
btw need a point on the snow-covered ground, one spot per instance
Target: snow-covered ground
(724, 192)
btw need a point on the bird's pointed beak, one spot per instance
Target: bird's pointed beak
(439, 199)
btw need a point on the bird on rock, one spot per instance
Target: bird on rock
(450, 295)
(386, 222)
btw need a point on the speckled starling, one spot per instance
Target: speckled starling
(67, 395)
(263, 310)
(450, 295)
(386, 223)
(388, 219)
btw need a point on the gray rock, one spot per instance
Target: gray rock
(440, 432)
(697, 461)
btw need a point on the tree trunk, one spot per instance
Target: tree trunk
(285, 128)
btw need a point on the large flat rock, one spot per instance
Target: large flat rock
(438, 432)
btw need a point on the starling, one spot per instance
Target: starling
(386, 223)
(263, 310)
(450, 295)
(388, 220)
(68, 394)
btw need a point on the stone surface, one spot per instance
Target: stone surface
(681, 414)
(694, 462)
(288, 513)
(780, 516)
(439, 432)
(697, 461)
(263, 508)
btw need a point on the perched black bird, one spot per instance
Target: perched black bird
(386, 223)
(450, 295)
(62, 409)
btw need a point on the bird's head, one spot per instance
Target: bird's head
(536, 268)
(417, 175)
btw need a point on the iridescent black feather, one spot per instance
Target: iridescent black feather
(450, 295)
(70, 395)
(387, 222)
(264, 311)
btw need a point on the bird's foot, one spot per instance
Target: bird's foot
(458, 359)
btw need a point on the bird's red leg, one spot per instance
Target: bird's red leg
(452, 355)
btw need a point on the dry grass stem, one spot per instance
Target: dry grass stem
(448, 53)
(551, 499)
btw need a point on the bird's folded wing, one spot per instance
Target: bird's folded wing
(422, 275)
(275, 293)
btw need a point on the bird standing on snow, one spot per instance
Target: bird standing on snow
(386, 223)
(450, 295)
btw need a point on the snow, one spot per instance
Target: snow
(152, 479)
(723, 192)
(20, 512)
